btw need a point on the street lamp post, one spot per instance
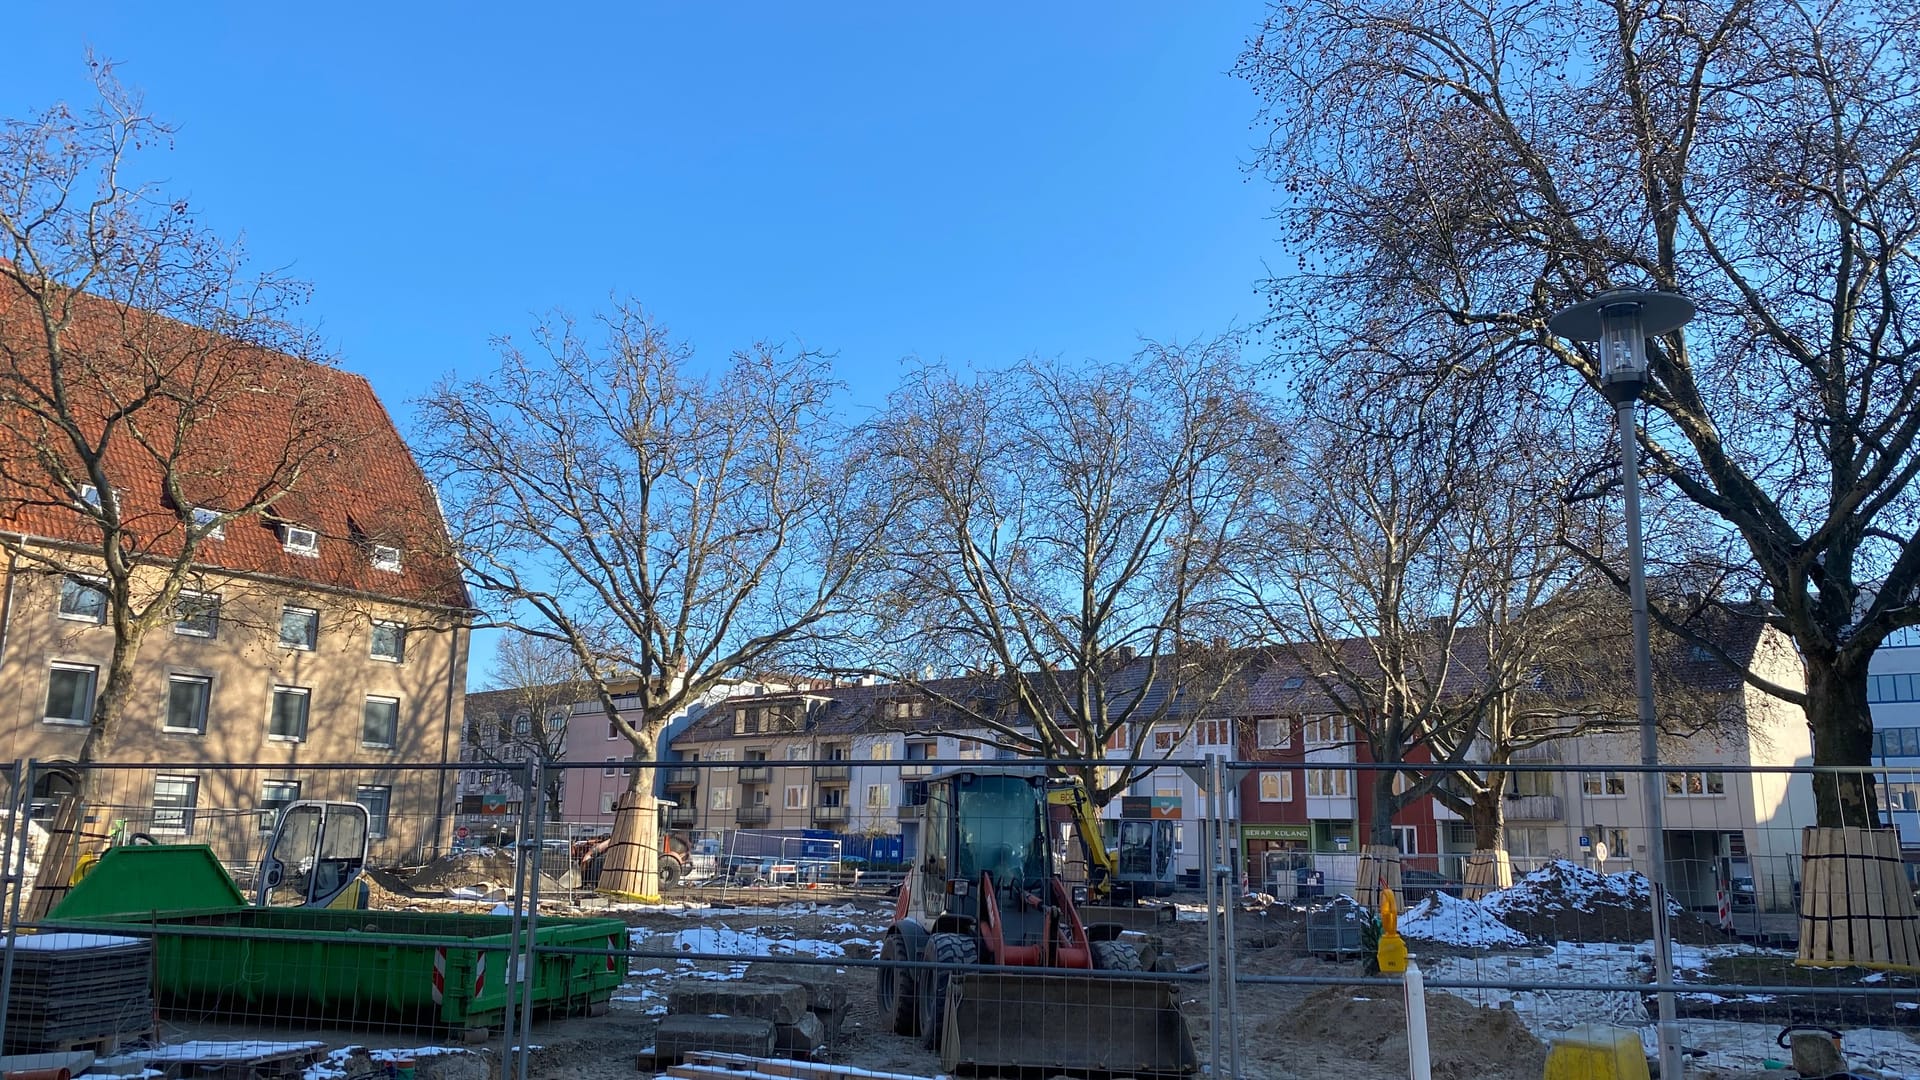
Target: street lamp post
(1618, 324)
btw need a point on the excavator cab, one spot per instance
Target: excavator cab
(316, 857)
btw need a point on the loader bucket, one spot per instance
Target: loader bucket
(1010, 1021)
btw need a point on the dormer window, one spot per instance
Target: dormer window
(209, 522)
(386, 558)
(300, 541)
(90, 495)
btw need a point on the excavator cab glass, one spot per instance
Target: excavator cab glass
(317, 850)
(1002, 831)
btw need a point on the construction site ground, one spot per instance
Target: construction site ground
(1351, 1031)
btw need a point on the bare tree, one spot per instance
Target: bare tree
(670, 528)
(524, 715)
(1063, 546)
(136, 352)
(1479, 165)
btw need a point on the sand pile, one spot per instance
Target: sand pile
(465, 869)
(1348, 1024)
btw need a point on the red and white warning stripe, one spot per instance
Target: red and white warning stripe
(479, 973)
(1726, 911)
(439, 975)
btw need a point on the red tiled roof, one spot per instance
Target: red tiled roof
(359, 485)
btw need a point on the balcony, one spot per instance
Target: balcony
(910, 812)
(682, 817)
(832, 774)
(753, 815)
(829, 815)
(756, 774)
(682, 777)
(917, 771)
(1534, 808)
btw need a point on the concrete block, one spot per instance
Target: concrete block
(803, 1038)
(822, 994)
(779, 1002)
(677, 1036)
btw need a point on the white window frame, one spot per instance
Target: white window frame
(1272, 733)
(1407, 839)
(306, 720)
(611, 768)
(1331, 784)
(607, 799)
(186, 812)
(81, 585)
(313, 641)
(798, 752)
(1603, 781)
(206, 703)
(879, 796)
(92, 673)
(1280, 782)
(720, 797)
(180, 622)
(385, 558)
(796, 797)
(270, 814)
(393, 737)
(399, 656)
(1687, 780)
(377, 826)
(208, 518)
(299, 540)
(1166, 740)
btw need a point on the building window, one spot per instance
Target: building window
(377, 800)
(796, 797)
(173, 801)
(70, 693)
(798, 752)
(1165, 740)
(612, 767)
(187, 698)
(1327, 729)
(298, 540)
(1326, 783)
(1215, 732)
(1530, 843)
(557, 722)
(1900, 797)
(607, 799)
(276, 795)
(1276, 787)
(969, 749)
(1407, 839)
(1906, 637)
(90, 495)
(299, 627)
(197, 614)
(1696, 784)
(379, 722)
(1603, 784)
(1896, 742)
(386, 558)
(1532, 783)
(1883, 688)
(906, 710)
(879, 796)
(389, 641)
(522, 724)
(613, 729)
(83, 601)
(1271, 733)
(719, 798)
(289, 721)
(208, 521)
(880, 751)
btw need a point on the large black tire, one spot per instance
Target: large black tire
(951, 951)
(899, 1008)
(670, 871)
(1116, 956)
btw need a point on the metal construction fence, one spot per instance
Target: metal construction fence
(922, 916)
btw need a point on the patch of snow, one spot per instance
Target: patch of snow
(1452, 921)
(65, 941)
(1562, 885)
(726, 941)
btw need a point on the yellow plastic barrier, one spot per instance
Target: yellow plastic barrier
(1597, 1052)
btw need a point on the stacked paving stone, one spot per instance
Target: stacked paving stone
(771, 1010)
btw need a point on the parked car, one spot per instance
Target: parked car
(1416, 885)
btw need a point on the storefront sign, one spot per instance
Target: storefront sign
(1165, 807)
(1301, 833)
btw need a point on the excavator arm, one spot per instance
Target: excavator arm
(1102, 868)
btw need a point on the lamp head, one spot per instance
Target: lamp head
(1618, 323)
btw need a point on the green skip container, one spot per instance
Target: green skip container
(215, 955)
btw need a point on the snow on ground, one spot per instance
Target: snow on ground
(724, 940)
(1563, 885)
(1730, 1045)
(1453, 921)
(334, 1066)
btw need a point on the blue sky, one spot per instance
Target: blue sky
(877, 181)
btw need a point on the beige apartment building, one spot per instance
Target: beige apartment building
(333, 631)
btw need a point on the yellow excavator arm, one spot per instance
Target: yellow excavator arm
(1102, 868)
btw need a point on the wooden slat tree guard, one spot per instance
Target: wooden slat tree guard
(1379, 863)
(1487, 871)
(1856, 906)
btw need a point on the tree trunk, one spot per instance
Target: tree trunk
(1489, 867)
(1380, 810)
(1842, 724)
(632, 868)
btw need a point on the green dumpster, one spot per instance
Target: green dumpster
(215, 954)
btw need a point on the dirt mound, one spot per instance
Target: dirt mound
(1564, 901)
(1369, 1024)
(467, 868)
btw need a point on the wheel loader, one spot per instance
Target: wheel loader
(1017, 980)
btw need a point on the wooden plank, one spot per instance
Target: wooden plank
(1813, 927)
